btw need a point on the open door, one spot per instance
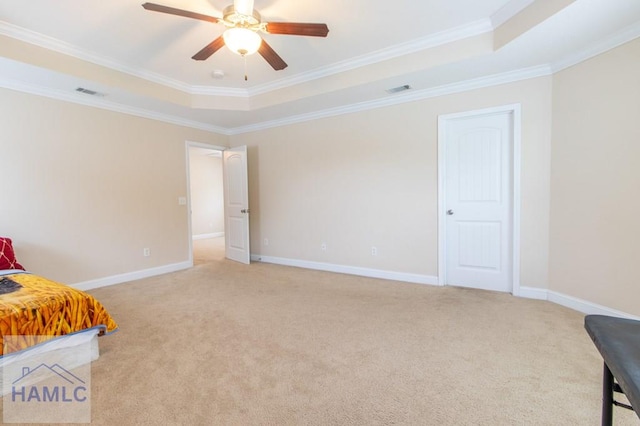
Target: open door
(236, 204)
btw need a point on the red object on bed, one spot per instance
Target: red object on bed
(34, 309)
(7, 255)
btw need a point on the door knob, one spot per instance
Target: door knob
(244, 211)
(450, 212)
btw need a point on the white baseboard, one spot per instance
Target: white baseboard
(580, 305)
(571, 302)
(351, 270)
(533, 293)
(205, 236)
(585, 306)
(131, 276)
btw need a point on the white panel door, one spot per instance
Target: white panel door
(478, 201)
(236, 204)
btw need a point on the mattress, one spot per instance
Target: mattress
(71, 351)
(45, 322)
(34, 309)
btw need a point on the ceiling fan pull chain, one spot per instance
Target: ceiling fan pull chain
(245, 67)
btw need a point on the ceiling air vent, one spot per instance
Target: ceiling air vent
(89, 92)
(398, 89)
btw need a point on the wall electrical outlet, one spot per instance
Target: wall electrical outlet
(323, 246)
(374, 251)
(146, 252)
(266, 242)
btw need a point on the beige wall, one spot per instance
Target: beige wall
(84, 190)
(207, 198)
(595, 174)
(370, 179)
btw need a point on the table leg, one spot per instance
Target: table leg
(607, 396)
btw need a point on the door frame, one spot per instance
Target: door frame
(190, 144)
(515, 110)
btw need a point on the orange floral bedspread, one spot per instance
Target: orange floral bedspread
(38, 309)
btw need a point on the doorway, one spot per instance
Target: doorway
(479, 198)
(206, 203)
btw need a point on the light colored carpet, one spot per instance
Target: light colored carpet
(208, 250)
(230, 344)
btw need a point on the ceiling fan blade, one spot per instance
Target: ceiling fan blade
(243, 7)
(209, 49)
(297, 28)
(173, 11)
(271, 56)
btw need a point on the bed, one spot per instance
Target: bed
(43, 319)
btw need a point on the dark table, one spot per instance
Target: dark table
(618, 341)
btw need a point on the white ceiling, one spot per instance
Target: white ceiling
(145, 64)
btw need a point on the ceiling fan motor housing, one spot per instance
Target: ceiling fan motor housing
(233, 19)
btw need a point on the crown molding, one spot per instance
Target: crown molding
(448, 89)
(107, 105)
(508, 11)
(422, 43)
(621, 37)
(430, 41)
(218, 91)
(476, 83)
(56, 45)
(627, 34)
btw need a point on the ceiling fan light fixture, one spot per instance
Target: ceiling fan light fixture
(242, 41)
(241, 37)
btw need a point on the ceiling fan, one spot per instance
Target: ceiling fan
(243, 23)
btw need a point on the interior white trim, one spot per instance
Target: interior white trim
(585, 306)
(56, 45)
(207, 236)
(101, 103)
(422, 43)
(514, 109)
(516, 196)
(447, 89)
(508, 11)
(570, 302)
(131, 276)
(410, 96)
(432, 40)
(580, 305)
(429, 41)
(194, 144)
(475, 28)
(350, 270)
(533, 293)
(621, 37)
